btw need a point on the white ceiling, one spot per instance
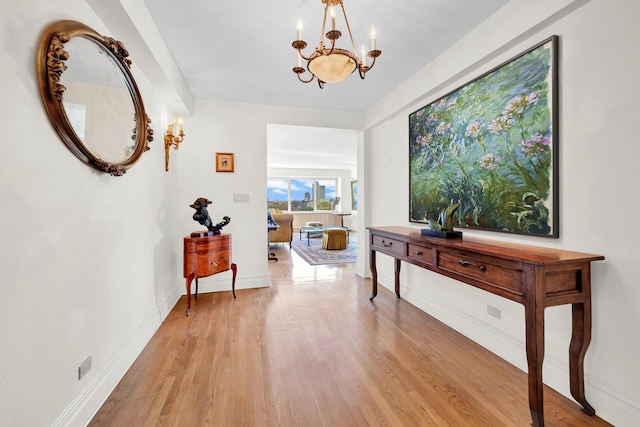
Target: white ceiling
(240, 51)
(311, 148)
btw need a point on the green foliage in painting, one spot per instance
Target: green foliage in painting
(488, 146)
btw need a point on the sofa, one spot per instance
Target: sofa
(285, 233)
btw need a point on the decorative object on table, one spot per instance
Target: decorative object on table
(224, 162)
(491, 144)
(96, 129)
(202, 217)
(443, 226)
(174, 135)
(331, 64)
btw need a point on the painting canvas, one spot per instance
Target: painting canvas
(492, 146)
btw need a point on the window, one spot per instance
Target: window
(301, 194)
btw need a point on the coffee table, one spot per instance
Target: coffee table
(311, 232)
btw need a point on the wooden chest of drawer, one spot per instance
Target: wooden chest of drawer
(205, 256)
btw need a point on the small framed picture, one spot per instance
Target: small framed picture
(224, 162)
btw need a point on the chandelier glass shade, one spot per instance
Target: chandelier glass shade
(328, 63)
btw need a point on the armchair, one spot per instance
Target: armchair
(285, 233)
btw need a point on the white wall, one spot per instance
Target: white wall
(599, 88)
(88, 261)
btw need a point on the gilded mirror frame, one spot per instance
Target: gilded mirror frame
(50, 67)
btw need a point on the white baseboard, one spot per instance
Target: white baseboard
(93, 395)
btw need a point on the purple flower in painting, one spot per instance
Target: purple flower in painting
(518, 103)
(440, 104)
(489, 161)
(533, 98)
(442, 128)
(500, 124)
(474, 128)
(423, 140)
(535, 146)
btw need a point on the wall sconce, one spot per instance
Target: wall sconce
(172, 139)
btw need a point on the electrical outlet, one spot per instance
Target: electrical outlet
(494, 312)
(241, 198)
(84, 368)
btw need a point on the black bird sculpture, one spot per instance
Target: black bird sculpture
(202, 216)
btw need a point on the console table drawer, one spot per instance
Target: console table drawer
(385, 244)
(423, 254)
(493, 274)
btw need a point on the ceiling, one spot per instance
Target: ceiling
(240, 51)
(311, 148)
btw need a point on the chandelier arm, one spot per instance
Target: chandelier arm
(372, 63)
(333, 45)
(306, 81)
(302, 56)
(364, 69)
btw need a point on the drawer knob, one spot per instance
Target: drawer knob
(466, 263)
(418, 252)
(387, 245)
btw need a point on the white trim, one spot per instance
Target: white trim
(85, 405)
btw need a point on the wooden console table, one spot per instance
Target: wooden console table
(205, 256)
(532, 276)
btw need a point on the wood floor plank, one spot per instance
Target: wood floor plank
(312, 350)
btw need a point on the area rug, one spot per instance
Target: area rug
(315, 255)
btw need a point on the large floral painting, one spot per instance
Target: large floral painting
(491, 145)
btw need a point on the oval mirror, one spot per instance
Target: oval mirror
(91, 97)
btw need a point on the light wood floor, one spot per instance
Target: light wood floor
(311, 350)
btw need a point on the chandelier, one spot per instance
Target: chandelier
(330, 64)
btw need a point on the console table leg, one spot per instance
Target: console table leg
(374, 276)
(534, 328)
(234, 269)
(580, 340)
(397, 277)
